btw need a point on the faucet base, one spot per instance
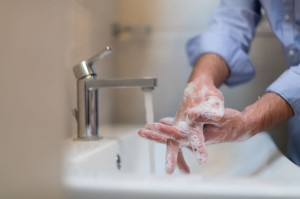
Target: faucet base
(88, 138)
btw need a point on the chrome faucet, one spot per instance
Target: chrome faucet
(86, 113)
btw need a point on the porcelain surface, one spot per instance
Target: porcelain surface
(118, 166)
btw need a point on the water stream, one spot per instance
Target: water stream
(149, 120)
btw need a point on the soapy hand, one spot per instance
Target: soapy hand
(231, 127)
(202, 104)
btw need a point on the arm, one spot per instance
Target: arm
(211, 66)
(267, 111)
(229, 35)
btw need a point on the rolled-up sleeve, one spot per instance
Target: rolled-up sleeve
(288, 87)
(229, 35)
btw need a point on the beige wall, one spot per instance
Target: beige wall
(40, 42)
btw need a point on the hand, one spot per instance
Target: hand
(202, 103)
(232, 127)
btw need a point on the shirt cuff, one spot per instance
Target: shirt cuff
(240, 66)
(288, 87)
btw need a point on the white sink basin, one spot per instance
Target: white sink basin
(251, 169)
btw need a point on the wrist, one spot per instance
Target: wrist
(269, 110)
(211, 66)
(203, 79)
(252, 119)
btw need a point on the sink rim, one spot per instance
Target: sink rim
(163, 184)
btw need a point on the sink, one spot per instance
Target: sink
(118, 166)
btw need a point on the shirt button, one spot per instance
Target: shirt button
(291, 52)
(286, 17)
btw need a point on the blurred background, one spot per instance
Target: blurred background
(42, 40)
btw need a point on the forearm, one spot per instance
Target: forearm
(212, 67)
(269, 110)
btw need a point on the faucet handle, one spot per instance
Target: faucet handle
(107, 50)
(85, 68)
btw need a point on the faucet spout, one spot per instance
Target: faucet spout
(144, 83)
(87, 100)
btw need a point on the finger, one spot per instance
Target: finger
(152, 135)
(197, 143)
(181, 163)
(171, 156)
(170, 131)
(169, 121)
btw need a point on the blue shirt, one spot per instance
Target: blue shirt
(229, 34)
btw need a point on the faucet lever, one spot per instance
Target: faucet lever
(107, 50)
(85, 68)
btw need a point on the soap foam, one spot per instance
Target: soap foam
(206, 105)
(211, 109)
(171, 156)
